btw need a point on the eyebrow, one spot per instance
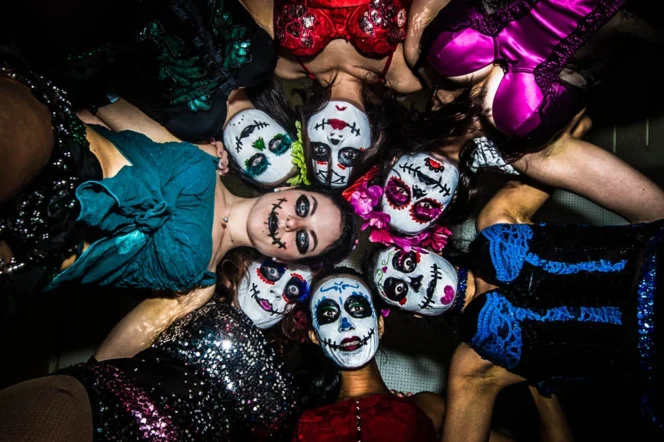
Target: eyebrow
(315, 238)
(313, 210)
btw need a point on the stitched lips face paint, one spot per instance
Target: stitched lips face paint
(338, 133)
(259, 146)
(420, 283)
(345, 321)
(418, 189)
(270, 289)
(273, 223)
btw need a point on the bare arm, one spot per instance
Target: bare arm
(262, 11)
(421, 13)
(515, 203)
(594, 173)
(473, 385)
(136, 331)
(123, 115)
(553, 425)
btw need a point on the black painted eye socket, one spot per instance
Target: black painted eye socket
(256, 165)
(296, 289)
(272, 271)
(327, 311)
(320, 151)
(302, 206)
(405, 262)
(348, 155)
(395, 289)
(302, 241)
(358, 306)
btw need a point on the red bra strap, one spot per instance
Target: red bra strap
(386, 68)
(306, 69)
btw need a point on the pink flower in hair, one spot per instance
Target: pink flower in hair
(436, 238)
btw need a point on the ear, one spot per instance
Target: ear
(381, 326)
(313, 338)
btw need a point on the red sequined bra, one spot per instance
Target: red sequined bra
(374, 27)
(376, 418)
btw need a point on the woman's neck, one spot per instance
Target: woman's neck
(347, 88)
(238, 100)
(362, 382)
(232, 233)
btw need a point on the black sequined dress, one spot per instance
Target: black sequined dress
(572, 303)
(211, 376)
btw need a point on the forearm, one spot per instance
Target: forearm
(594, 173)
(123, 115)
(138, 330)
(553, 425)
(468, 412)
(421, 13)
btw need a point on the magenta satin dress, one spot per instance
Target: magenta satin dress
(532, 40)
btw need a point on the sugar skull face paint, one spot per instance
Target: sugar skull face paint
(420, 283)
(338, 133)
(345, 321)
(259, 146)
(418, 189)
(269, 289)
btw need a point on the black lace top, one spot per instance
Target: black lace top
(573, 302)
(177, 60)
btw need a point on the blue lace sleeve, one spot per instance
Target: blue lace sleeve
(499, 335)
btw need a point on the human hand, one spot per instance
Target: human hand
(400, 393)
(222, 166)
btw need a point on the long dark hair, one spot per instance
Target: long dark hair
(382, 106)
(343, 245)
(427, 131)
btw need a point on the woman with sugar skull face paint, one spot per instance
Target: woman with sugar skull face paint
(540, 303)
(178, 387)
(406, 207)
(314, 42)
(341, 309)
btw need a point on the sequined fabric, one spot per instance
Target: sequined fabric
(210, 377)
(374, 27)
(38, 224)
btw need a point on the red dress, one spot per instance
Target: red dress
(382, 418)
(373, 27)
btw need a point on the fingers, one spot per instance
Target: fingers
(223, 165)
(400, 393)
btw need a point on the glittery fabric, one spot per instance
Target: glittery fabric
(462, 286)
(210, 376)
(38, 224)
(645, 313)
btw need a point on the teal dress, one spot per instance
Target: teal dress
(153, 220)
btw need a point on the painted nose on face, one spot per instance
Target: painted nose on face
(345, 325)
(293, 223)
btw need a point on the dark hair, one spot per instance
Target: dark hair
(269, 96)
(342, 246)
(425, 132)
(382, 106)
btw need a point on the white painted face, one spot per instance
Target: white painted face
(345, 321)
(259, 146)
(417, 190)
(269, 289)
(420, 283)
(338, 133)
